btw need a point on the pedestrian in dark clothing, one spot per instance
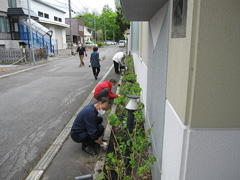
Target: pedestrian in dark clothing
(87, 127)
(94, 60)
(81, 51)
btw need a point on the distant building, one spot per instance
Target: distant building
(10, 14)
(88, 33)
(47, 22)
(52, 18)
(77, 31)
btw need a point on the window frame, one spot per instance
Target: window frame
(46, 15)
(5, 25)
(40, 14)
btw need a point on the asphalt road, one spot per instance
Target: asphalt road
(35, 106)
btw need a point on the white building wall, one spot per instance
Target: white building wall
(199, 153)
(36, 6)
(4, 5)
(141, 72)
(10, 44)
(59, 32)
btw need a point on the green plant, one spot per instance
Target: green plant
(100, 44)
(140, 160)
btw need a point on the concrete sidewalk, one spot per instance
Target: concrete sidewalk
(8, 70)
(69, 161)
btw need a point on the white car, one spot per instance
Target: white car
(90, 44)
(122, 43)
(110, 42)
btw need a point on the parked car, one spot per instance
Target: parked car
(90, 44)
(122, 43)
(110, 42)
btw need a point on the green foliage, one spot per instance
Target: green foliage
(115, 23)
(99, 44)
(140, 161)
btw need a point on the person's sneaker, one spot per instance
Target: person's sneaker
(89, 150)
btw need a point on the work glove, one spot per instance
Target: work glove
(86, 54)
(104, 145)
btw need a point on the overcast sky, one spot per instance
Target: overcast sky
(82, 5)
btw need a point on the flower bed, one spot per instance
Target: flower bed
(118, 164)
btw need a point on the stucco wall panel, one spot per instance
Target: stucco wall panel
(217, 87)
(213, 154)
(179, 67)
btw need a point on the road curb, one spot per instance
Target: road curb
(47, 158)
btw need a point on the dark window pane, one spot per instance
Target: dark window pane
(2, 25)
(14, 4)
(46, 15)
(55, 18)
(179, 14)
(40, 14)
(8, 25)
(60, 19)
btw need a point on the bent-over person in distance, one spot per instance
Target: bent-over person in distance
(117, 59)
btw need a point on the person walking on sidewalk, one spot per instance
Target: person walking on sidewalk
(94, 60)
(104, 89)
(87, 127)
(81, 51)
(117, 59)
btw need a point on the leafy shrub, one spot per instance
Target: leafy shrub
(140, 161)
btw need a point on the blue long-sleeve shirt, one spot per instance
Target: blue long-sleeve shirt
(86, 121)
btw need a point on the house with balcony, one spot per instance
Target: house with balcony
(47, 24)
(10, 13)
(187, 63)
(52, 18)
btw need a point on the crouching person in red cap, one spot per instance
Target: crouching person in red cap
(87, 127)
(104, 89)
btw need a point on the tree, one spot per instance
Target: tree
(122, 23)
(114, 21)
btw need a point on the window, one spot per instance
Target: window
(55, 18)
(46, 15)
(60, 19)
(179, 14)
(8, 25)
(40, 14)
(12, 3)
(2, 25)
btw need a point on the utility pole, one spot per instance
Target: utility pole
(105, 29)
(30, 25)
(113, 36)
(95, 29)
(70, 21)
